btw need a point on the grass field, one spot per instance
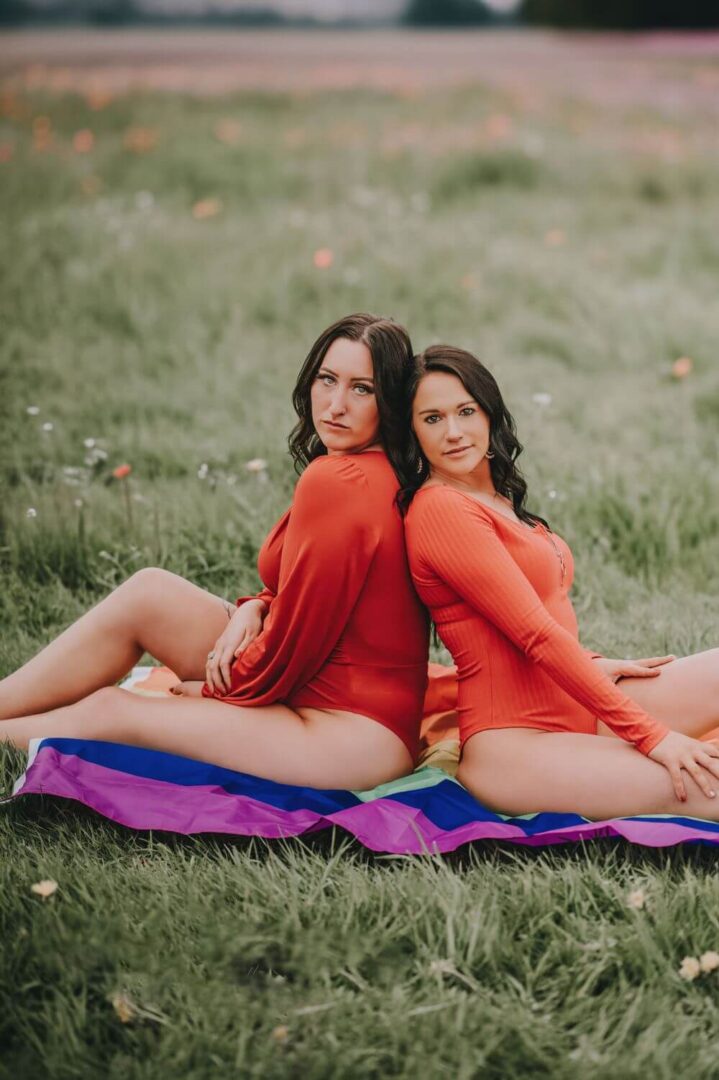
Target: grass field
(159, 290)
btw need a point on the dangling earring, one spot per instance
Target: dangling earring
(418, 452)
(489, 454)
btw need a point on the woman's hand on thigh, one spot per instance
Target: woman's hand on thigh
(243, 628)
(646, 668)
(680, 753)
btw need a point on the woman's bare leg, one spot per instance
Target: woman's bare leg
(522, 771)
(154, 611)
(684, 695)
(313, 747)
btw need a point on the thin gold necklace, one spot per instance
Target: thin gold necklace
(562, 563)
(496, 495)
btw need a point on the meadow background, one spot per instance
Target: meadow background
(168, 258)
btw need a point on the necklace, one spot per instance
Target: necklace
(559, 555)
(487, 502)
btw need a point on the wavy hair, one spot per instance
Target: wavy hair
(481, 385)
(391, 351)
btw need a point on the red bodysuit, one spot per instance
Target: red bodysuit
(345, 629)
(497, 591)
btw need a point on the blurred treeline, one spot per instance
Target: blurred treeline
(570, 14)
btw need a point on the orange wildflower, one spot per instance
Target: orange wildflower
(228, 131)
(122, 471)
(206, 208)
(97, 99)
(323, 258)
(499, 126)
(555, 238)
(140, 140)
(83, 141)
(682, 367)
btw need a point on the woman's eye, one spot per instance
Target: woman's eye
(326, 379)
(431, 419)
(467, 411)
(364, 390)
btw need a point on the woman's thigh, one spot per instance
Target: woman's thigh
(315, 748)
(175, 621)
(684, 695)
(521, 771)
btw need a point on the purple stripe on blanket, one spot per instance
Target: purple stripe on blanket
(143, 803)
(384, 825)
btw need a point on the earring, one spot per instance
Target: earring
(489, 454)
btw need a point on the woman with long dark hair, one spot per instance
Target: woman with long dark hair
(537, 712)
(318, 680)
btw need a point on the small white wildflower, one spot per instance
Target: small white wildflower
(689, 968)
(709, 961)
(78, 503)
(88, 443)
(44, 888)
(636, 899)
(31, 512)
(441, 967)
(203, 471)
(552, 494)
(542, 398)
(48, 425)
(256, 465)
(32, 410)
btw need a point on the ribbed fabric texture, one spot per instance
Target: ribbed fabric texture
(495, 589)
(345, 629)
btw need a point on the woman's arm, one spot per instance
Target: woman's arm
(460, 544)
(328, 548)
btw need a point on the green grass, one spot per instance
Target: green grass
(577, 263)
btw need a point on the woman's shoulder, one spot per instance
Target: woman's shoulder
(439, 499)
(439, 511)
(344, 471)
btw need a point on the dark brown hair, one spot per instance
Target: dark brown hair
(481, 385)
(391, 351)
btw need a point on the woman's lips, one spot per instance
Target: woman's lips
(457, 450)
(339, 427)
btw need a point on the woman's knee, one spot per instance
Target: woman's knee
(107, 713)
(149, 580)
(142, 593)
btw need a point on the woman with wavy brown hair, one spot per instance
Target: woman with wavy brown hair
(539, 715)
(319, 679)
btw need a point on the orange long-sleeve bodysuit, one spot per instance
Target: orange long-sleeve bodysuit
(497, 590)
(345, 629)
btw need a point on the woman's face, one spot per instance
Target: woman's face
(451, 428)
(344, 406)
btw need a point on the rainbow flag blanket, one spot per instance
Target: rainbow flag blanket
(425, 812)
